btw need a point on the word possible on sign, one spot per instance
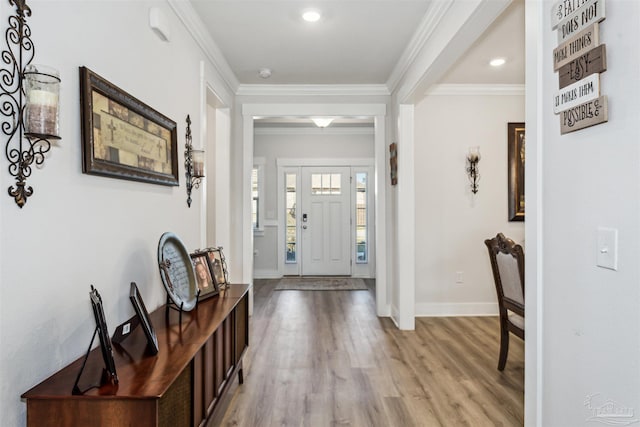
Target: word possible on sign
(585, 40)
(594, 61)
(593, 11)
(584, 115)
(577, 93)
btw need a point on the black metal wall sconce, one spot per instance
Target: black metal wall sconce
(473, 158)
(193, 164)
(30, 103)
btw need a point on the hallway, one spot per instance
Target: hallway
(324, 358)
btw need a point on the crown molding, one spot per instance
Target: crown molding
(313, 131)
(476, 89)
(198, 31)
(428, 25)
(313, 89)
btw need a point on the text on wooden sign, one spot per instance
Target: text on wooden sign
(594, 61)
(575, 46)
(584, 115)
(589, 14)
(577, 93)
(563, 9)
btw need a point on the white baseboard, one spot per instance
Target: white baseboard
(266, 274)
(427, 309)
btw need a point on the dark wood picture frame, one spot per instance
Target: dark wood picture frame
(204, 275)
(393, 163)
(218, 267)
(138, 143)
(516, 163)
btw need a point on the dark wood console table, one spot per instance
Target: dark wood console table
(180, 386)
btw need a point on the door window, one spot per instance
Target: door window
(291, 227)
(326, 183)
(362, 253)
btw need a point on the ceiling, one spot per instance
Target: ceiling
(355, 41)
(504, 39)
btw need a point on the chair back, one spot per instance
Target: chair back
(507, 263)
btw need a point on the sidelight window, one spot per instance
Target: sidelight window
(362, 253)
(291, 222)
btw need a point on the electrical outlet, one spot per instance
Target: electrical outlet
(459, 276)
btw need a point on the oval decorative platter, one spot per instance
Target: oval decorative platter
(176, 271)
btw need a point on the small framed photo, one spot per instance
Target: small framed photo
(143, 316)
(103, 334)
(204, 277)
(218, 266)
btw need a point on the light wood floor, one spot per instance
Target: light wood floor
(323, 358)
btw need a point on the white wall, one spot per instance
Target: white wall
(451, 222)
(590, 178)
(79, 229)
(311, 143)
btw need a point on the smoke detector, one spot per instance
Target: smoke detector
(265, 73)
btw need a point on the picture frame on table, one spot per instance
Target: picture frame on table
(218, 266)
(516, 143)
(205, 282)
(106, 347)
(143, 316)
(123, 137)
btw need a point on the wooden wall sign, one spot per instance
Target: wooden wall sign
(562, 9)
(590, 13)
(577, 93)
(577, 45)
(594, 61)
(584, 115)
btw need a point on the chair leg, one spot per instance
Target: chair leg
(504, 346)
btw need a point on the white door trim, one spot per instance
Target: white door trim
(406, 220)
(378, 112)
(535, 103)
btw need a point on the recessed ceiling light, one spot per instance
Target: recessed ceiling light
(311, 16)
(497, 62)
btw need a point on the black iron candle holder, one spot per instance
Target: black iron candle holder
(473, 158)
(193, 164)
(29, 103)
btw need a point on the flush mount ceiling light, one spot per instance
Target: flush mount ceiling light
(311, 15)
(497, 62)
(322, 122)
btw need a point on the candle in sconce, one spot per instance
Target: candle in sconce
(42, 87)
(198, 163)
(474, 154)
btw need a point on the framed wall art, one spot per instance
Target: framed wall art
(124, 138)
(393, 163)
(516, 165)
(204, 275)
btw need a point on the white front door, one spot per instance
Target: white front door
(326, 221)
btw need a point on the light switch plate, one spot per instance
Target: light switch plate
(607, 250)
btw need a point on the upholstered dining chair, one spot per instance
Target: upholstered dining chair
(507, 263)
